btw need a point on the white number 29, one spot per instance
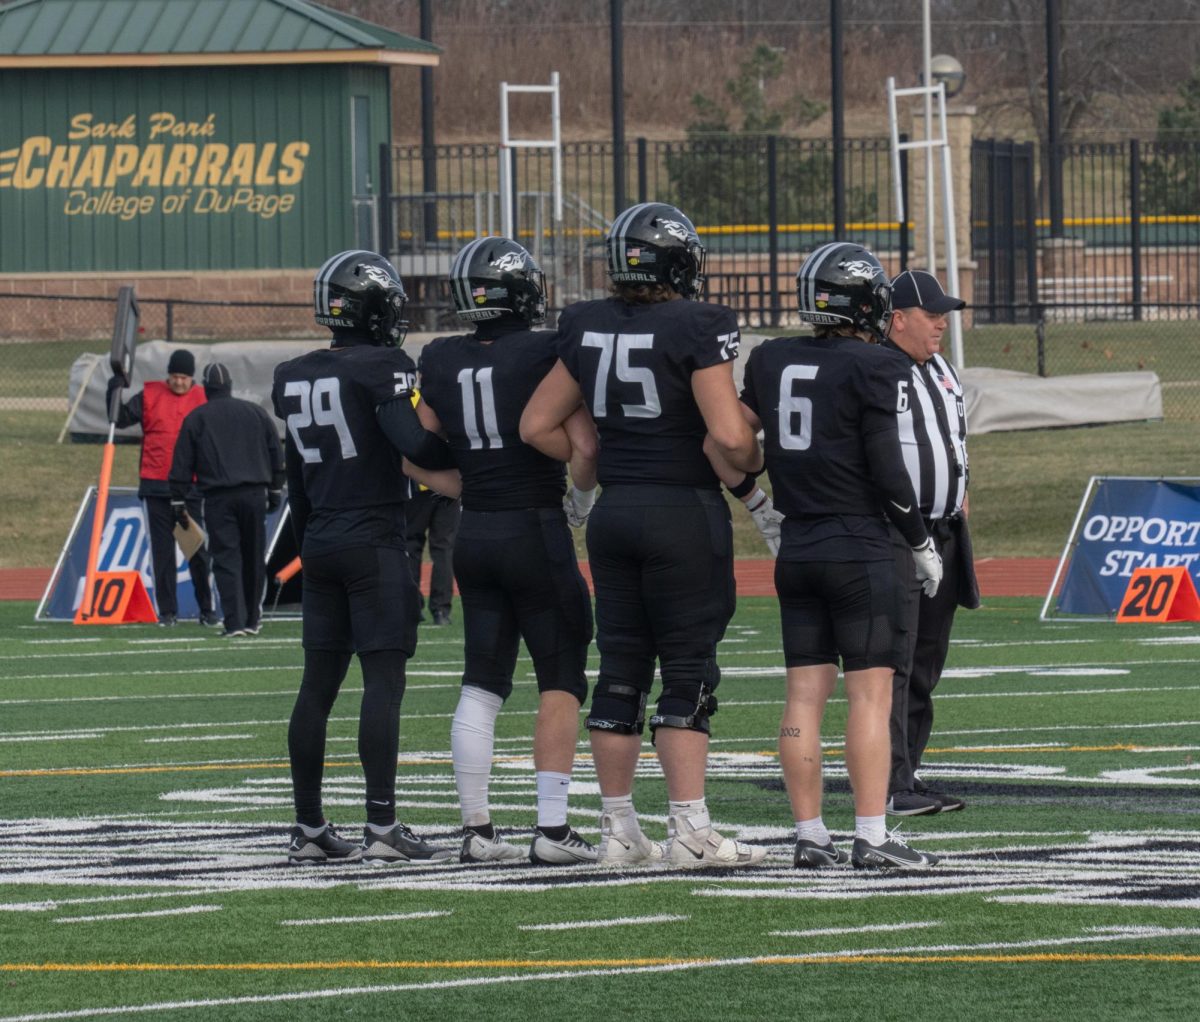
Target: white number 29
(320, 405)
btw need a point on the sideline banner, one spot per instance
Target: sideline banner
(1127, 524)
(124, 546)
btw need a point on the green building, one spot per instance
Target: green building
(190, 135)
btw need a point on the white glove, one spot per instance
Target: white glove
(768, 520)
(577, 505)
(929, 566)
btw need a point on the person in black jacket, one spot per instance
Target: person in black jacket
(232, 448)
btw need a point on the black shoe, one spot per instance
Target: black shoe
(441, 618)
(400, 845)
(232, 633)
(167, 621)
(209, 618)
(892, 854)
(949, 803)
(909, 803)
(327, 846)
(810, 855)
(254, 629)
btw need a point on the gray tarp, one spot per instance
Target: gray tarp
(999, 399)
(996, 399)
(250, 363)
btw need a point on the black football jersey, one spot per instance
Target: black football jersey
(829, 410)
(478, 389)
(634, 364)
(352, 476)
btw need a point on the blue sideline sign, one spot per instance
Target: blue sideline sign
(124, 546)
(1128, 523)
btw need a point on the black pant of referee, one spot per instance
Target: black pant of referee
(927, 621)
(236, 519)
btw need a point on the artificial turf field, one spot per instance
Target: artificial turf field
(144, 802)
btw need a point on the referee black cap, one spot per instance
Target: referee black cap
(916, 289)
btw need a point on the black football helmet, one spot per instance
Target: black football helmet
(360, 290)
(841, 283)
(653, 243)
(494, 276)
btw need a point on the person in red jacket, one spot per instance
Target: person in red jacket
(160, 409)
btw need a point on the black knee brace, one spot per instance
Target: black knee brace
(620, 709)
(687, 702)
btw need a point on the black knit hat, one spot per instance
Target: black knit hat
(182, 362)
(217, 379)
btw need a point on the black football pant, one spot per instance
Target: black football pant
(160, 523)
(237, 539)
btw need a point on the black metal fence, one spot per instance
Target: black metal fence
(759, 202)
(1129, 248)
(1118, 288)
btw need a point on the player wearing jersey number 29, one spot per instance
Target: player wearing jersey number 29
(654, 367)
(350, 418)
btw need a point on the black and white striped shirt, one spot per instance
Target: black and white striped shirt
(933, 437)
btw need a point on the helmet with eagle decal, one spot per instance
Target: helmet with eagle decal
(361, 290)
(844, 284)
(654, 243)
(492, 277)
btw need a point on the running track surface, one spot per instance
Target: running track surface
(1018, 576)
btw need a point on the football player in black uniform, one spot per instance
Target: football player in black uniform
(349, 419)
(828, 406)
(655, 368)
(514, 559)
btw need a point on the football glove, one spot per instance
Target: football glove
(577, 505)
(766, 518)
(929, 566)
(179, 511)
(274, 499)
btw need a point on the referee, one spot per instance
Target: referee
(933, 432)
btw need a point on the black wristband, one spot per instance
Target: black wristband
(745, 487)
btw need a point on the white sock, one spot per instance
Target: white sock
(620, 809)
(871, 829)
(814, 830)
(472, 736)
(696, 811)
(552, 798)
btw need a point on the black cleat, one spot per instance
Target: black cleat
(810, 855)
(892, 854)
(912, 803)
(400, 845)
(325, 847)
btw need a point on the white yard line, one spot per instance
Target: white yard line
(596, 924)
(394, 917)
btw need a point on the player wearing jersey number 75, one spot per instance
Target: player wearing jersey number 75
(653, 366)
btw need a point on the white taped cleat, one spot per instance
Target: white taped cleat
(622, 843)
(705, 847)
